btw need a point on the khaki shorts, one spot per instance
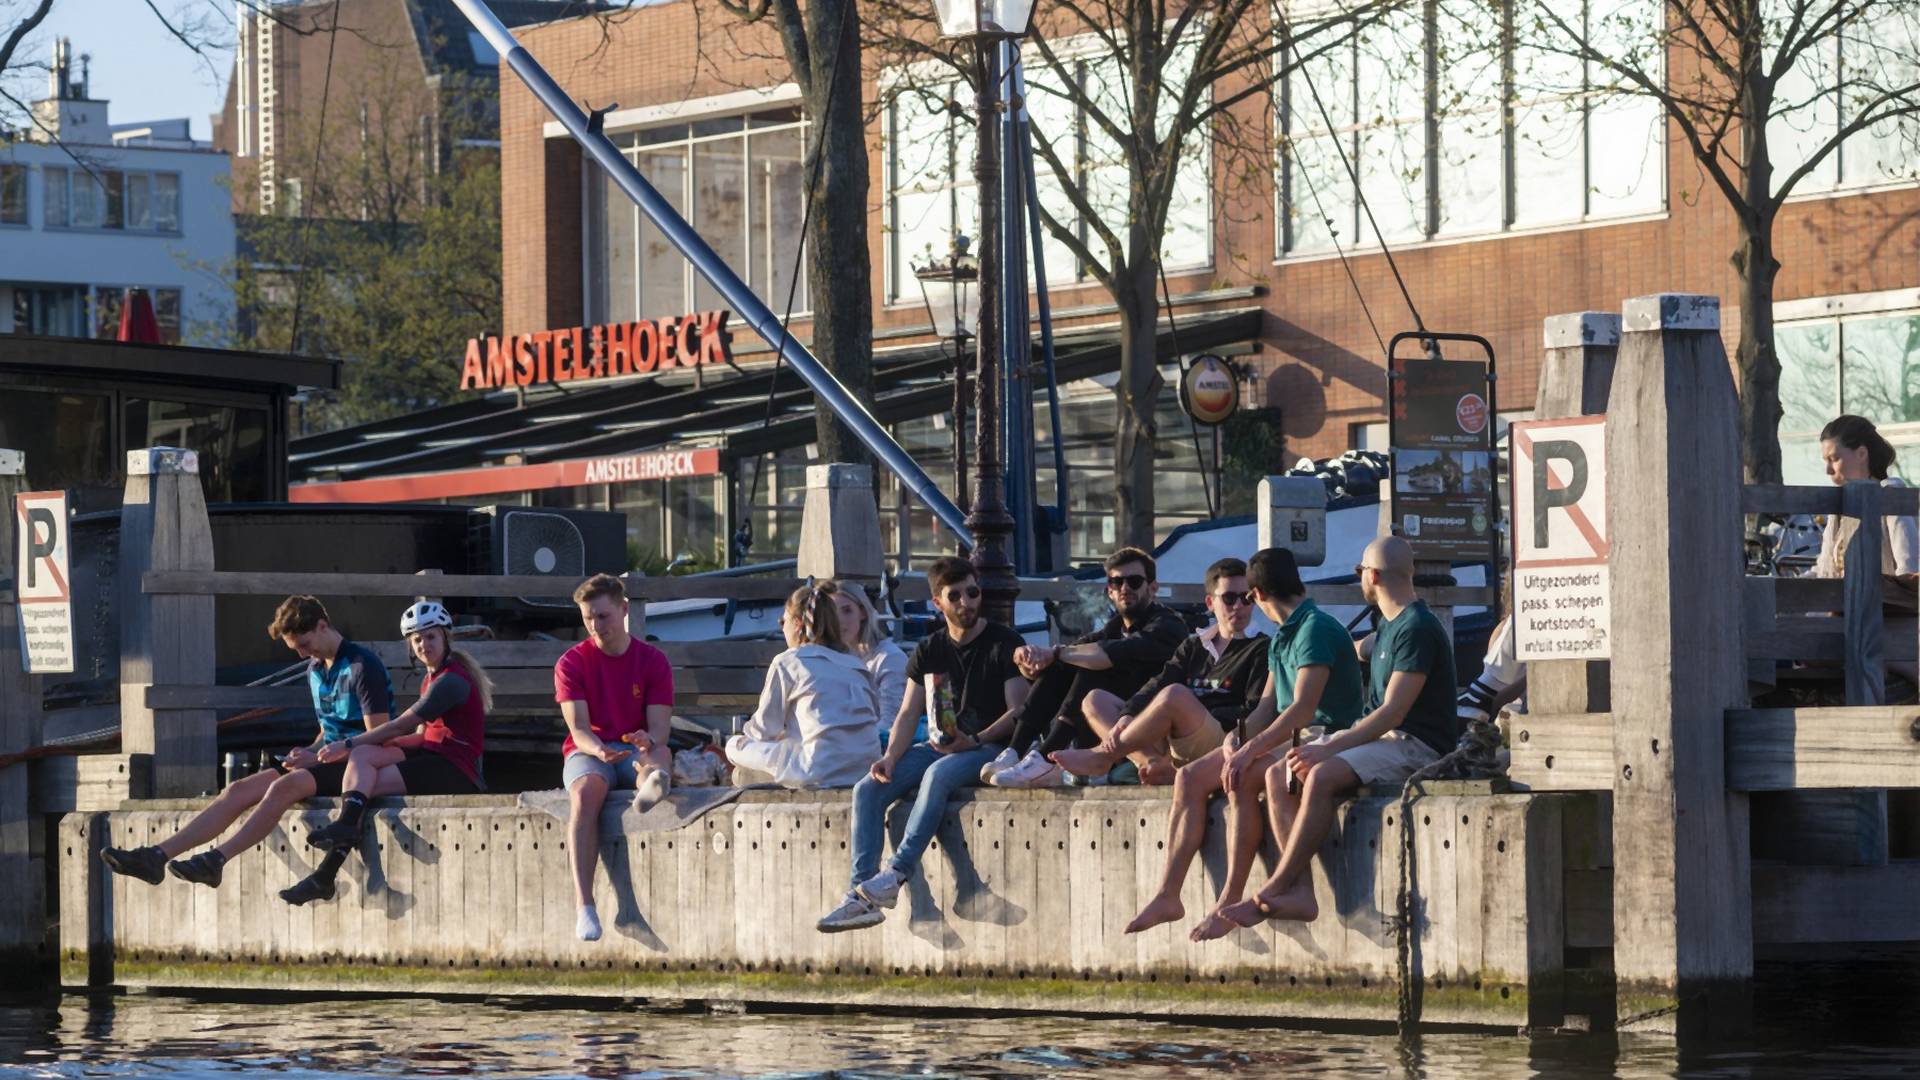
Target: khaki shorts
(1204, 740)
(1390, 759)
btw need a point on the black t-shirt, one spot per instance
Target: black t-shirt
(979, 670)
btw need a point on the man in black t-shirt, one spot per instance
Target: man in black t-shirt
(973, 658)
(1119, 658)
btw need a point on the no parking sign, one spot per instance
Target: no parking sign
(1562, 591)
(41, 581)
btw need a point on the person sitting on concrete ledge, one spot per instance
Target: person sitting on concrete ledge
(976, 688)
(613, 689)
(1182, 714)
(816, 725)
(397, 758)
(1119, 658)
(866, 637)
(1410, 722)
(351, 694)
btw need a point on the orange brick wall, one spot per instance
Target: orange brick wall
(1317, 359)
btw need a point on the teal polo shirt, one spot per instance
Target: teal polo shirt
(1312, 638)
(1416, 642)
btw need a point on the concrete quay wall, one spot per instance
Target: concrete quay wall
(1019, 905)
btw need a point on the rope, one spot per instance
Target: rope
(1477, 757)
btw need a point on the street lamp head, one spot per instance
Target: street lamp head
(950, 288)
(978, 19)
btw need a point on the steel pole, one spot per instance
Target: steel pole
(990, 523)
(749, 307)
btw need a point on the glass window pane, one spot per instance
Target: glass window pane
(114, 206)
(621, 225)
(720, 210)
(1052, 120)
(1626, 148)
(69, 441)
(777, 164)
(87, 197)
(663, 270)
(1467, 57)
(1809, 374)
(1321, 208)
(139, 204)
(231, 442)
(1549, 162)
(166, 202)
(641, 501)
(166, 314)
(1806, 115)
(1393, 179)
(1471, 168)
(922, 229)
(1880, 375)
(1879, 54)
(55, 181)
(13, 194)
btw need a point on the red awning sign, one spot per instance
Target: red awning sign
(502, 479)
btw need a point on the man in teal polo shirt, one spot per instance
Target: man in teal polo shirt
(1317, 671)
(1410, 722)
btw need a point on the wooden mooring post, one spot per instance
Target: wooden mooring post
(22, 904)
(1682, 901)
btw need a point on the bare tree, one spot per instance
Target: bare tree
(1764, 94)
(1132, 102)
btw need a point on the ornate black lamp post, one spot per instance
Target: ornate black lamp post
(951, 289)
(987, 23)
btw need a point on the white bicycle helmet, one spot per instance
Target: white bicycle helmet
(422, 615)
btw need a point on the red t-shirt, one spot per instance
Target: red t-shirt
(617, 689)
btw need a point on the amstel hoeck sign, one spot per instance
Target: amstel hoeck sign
(594, 352)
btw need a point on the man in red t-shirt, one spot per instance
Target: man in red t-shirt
(612, 690)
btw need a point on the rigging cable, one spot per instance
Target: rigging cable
(306, 204)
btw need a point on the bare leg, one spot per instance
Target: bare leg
(207, 825)
(364, 763)
(1244, 827)
(1174, 708)
(1186, 831)
(1288, 894)
(1102, 710)
(583, 834)
(282, 793)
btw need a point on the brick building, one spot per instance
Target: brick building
(1553, 206)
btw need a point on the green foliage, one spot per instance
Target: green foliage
(1252, 446)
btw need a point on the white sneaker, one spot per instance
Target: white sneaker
(854, 913)
(1031, 771)
(1006, 760)
(882, 889)
(586, 925)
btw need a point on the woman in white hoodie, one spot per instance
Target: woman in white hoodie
(816, 726)
(866, 637)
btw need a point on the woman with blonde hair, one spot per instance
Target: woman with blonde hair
(866, 636)
(816, 723)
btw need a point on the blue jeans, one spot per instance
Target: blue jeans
(936, 776)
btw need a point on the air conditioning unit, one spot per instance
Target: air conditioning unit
(568, 545)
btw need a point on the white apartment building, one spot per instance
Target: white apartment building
(89, 209)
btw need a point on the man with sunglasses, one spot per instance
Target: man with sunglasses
(1410, 721)
(975, 658)
(1119, 658)
(1214, 680)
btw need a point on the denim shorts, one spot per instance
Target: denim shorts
(619, 775)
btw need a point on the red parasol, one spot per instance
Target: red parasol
(137, 323)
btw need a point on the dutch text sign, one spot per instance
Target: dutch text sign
(41, 577)
(1561, 586)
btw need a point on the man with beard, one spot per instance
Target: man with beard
(1409, 723)
(977, 687)
(1119, 658)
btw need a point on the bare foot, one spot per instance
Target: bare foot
(1244, 913)
(1295, 905)
(1083, 762)
(1157, 772)
(1160, 909)
(1214, 926)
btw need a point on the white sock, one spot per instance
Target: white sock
(586, 925)
(652, 789)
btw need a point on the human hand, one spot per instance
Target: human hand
(1111, 743)
(882, 770)
(1032, 659)
(1301, 759)
(1233, 769)
(301, 757)
(641, 740)
(332, 752)
(610, 754)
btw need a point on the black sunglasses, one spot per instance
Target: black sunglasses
(1360, 569)
(1234, 599)
(1128, 581)
(972, 592)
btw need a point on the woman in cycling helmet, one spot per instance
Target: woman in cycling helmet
(403, 757)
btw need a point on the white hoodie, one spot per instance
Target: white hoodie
(817, 722)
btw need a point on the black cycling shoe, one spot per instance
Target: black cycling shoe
(307, 889)
(149, 864)
(203, 869)
(335, 834)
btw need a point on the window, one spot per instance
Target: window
(69, 437)
(930, 185)
(107, 300)
(1868, 365)
(13, 194)
(740, 181)
(232, 443)
(1463, 140)
(1832, 85)
(112, 199)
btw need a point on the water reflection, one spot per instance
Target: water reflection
(327, 1039)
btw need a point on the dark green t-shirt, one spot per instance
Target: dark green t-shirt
(1309, 638)
(1417, 642)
